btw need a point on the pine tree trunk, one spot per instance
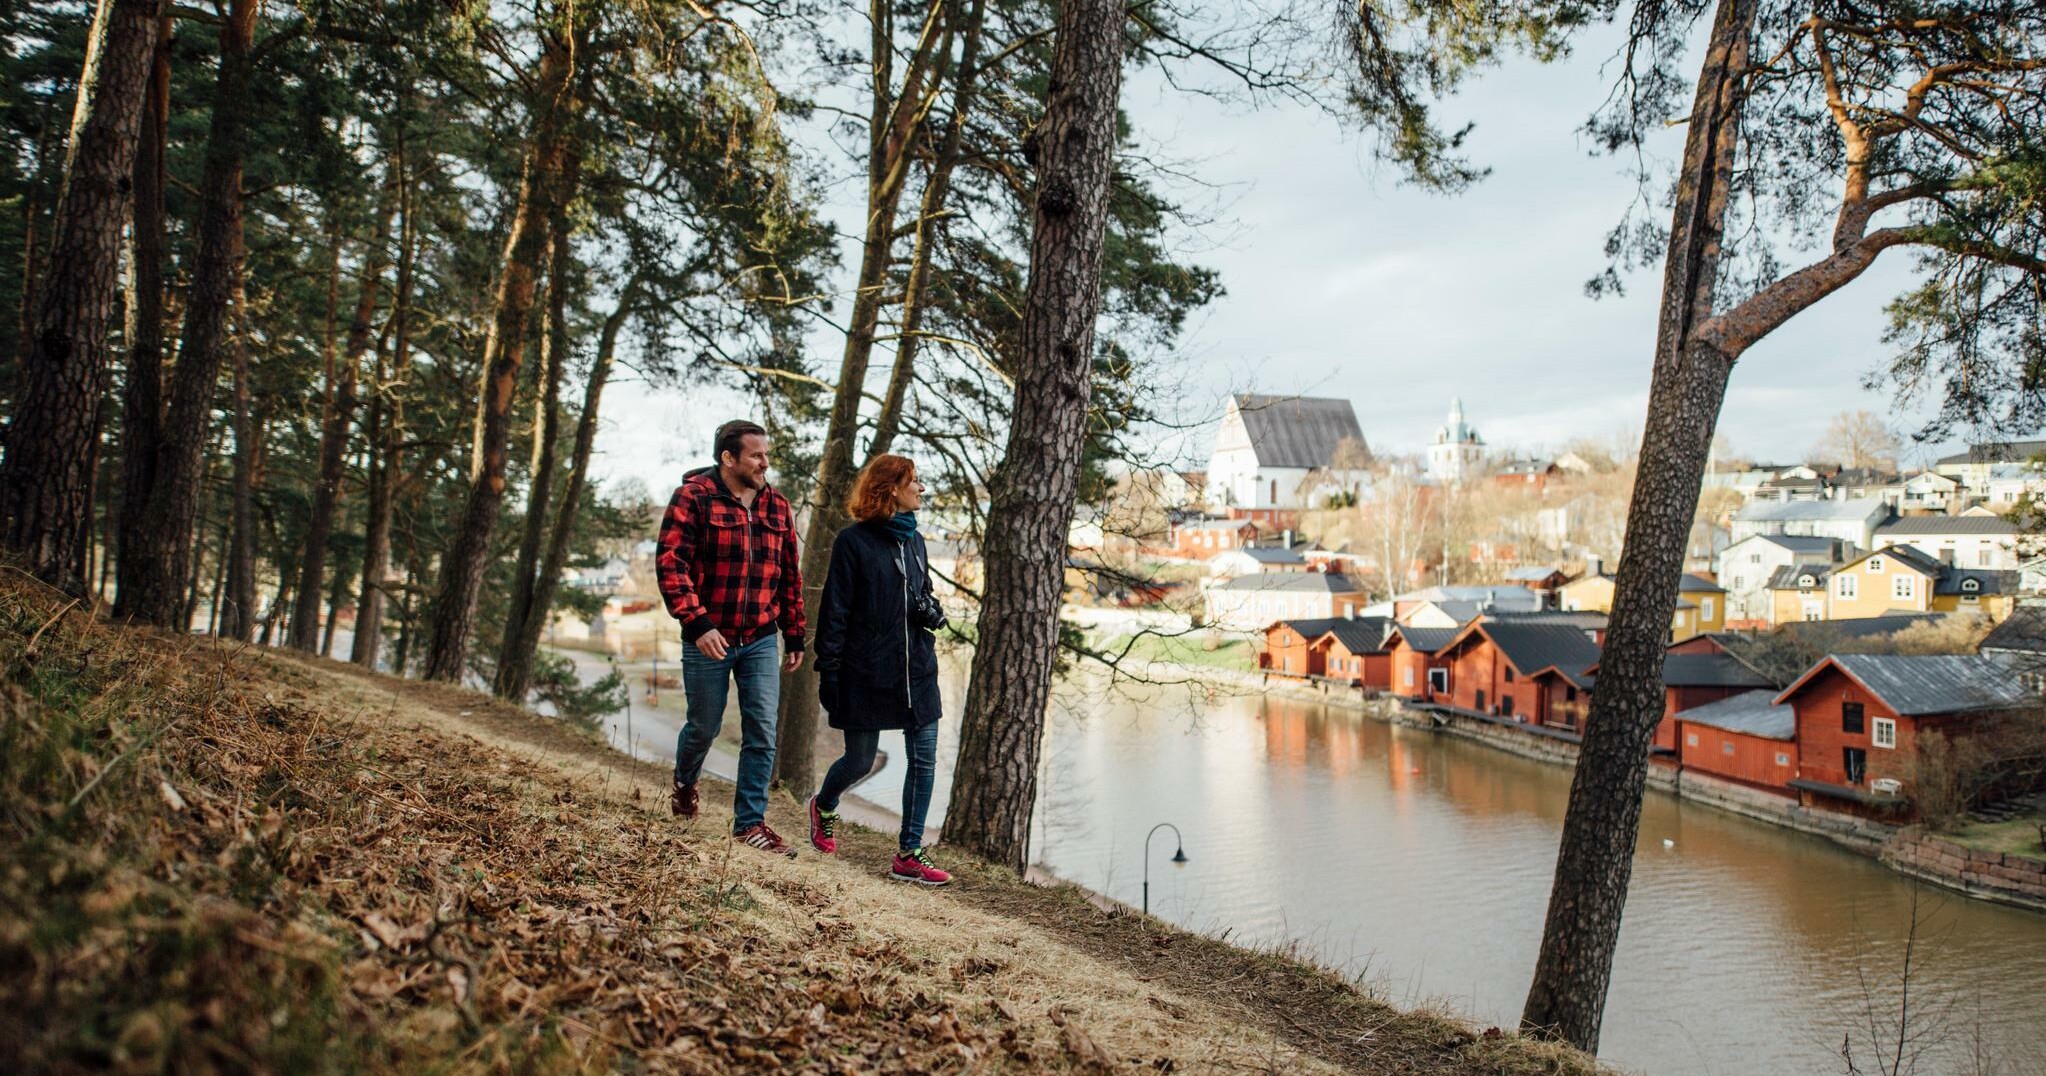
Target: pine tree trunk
(238, 619)
(548, 578)
(164, 552)
(514, 661)
(892, 130)
(45, 474)
(386, 438)
(142, 398)
(464, 562)
(1595, 861)
(339, 419)
(994, 784)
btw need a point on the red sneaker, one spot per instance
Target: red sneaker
(917, 867)
(764, 839)
(682, 801)
(821, 825)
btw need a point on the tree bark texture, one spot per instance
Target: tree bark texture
(386, 438)
(142, 398)
(164, 551)
(514, 661)
(1595, 861)
(548, 578)
(45, 476)
(338, 420)
(994, 786)
(892, 125)
(238, 619)
(467, 557)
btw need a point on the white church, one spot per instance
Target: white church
(1268, 447)
(1458, 451)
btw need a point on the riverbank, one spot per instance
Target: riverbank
(243, 859)
(1974, 868)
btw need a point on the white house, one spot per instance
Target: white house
(1251, 560)
(1745, 568)
(1930, 491)
(2007, 482)
(1852, 521)
(1458, 450)
(1268, 444)
(1973, 467)
(1252, 602)
(1982, 540)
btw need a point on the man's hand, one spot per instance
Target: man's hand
(792, 661)
(712, 644)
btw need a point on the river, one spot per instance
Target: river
(1420, 864)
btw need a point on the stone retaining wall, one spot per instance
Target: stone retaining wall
(2005, 877)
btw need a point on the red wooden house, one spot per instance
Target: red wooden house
(1691, 679)
(1418, 668)
(1521, 668)
(1861, 718)
(1355, 650)
(1288, 648)
(1200, 539)
(1747, 738)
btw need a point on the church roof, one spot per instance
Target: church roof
(1296, 431)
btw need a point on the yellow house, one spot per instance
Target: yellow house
(1798, 592)
(1701, 603)
(1902, 579)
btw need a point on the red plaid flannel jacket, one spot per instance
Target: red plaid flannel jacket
(721, 566)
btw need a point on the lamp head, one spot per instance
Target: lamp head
(1179, 857)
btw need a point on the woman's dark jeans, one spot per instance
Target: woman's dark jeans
(860, 745)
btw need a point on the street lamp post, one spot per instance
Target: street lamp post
(630, 751)
(1178, 857)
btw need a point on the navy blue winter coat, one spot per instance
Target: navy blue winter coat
(876, 667)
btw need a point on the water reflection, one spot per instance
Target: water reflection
(1422, 864)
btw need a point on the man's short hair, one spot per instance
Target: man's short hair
(731, 437)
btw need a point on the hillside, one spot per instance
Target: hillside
(226, 858)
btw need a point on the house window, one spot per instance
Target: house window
(1569, 694)
(1982, 559)
(1845, 588)
(1850, 717)
(1971, 584)
(1438, 679)
(1875, 564)
(1726, 747)
(1509, 674)
(1904, 587)
(1754, 558)
(1481, 699)
(1690, 739)
(1506, 705)
(1855, 761)
(1275, 491)
(1705, 608)
(1806, 581)
(1883, 733)
(1782, 759)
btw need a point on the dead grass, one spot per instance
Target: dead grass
(227, 859)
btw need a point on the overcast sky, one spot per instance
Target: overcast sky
(1343, 282)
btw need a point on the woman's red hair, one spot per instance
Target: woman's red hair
(873, 492)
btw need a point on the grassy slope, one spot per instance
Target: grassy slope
(221, 857)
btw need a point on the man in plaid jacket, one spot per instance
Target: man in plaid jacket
(729, 571)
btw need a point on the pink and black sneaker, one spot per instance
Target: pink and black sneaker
(822, 822)
(917, 867)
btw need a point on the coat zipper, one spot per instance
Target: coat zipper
(902, 565)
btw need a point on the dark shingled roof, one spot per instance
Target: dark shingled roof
(1752, 712)
(1786, 577)
(1709, 670)
(1859, 628)
(1362, 635)
(2006, 452)
(1801, 543)
(1297, 431)
(1533, 646)
(1426, 640)
(1948, 525)
(2024, 629)
(1987, 581)
(1694, 584)
(1310, 629)
(1582, 619)
(1915, 685)
(1272, 555)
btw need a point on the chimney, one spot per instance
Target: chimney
(1287, 541)
(1593, 566)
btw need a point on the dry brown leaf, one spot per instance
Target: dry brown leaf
(170, 796)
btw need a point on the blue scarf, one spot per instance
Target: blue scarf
(902, 525)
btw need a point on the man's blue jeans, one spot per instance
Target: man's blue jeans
(756, 667)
